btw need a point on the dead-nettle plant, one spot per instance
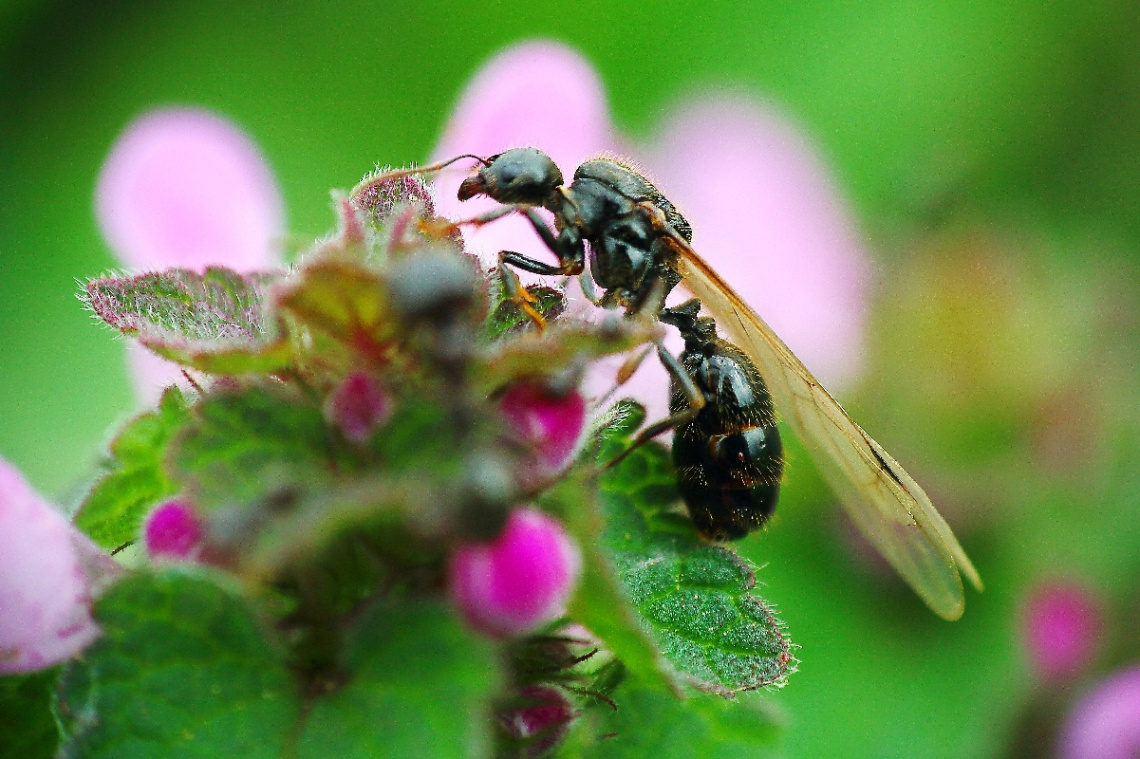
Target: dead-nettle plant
(377, 520)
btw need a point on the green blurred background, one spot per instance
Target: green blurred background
(992, 153)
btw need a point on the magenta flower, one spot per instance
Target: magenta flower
(1061, 626)
(184, 187)
(49, 572)
(358, 406)
(549, 423)
(520, 580)
(764, 209)
(173, 531)
(538, 721)
(1105, 724)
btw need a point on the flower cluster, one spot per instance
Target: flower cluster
(381, 425)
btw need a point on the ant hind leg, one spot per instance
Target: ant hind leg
(693, 393)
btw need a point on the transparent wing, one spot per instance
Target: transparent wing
(885, 502)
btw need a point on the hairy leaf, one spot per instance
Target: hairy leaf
(216, 322)
(697, 598)
(112, 512)
(183, 669)
(507, 318)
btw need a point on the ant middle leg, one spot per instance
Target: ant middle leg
(692, 393)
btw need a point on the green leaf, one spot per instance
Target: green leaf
(565, 344)
(506, 318)
(419, 685)
(216, 322)
(345, 299)
(240, 448)
(600, 601)
(183, 669)
(114, 509)
(649, 723)
(696, 597)
(25, 712)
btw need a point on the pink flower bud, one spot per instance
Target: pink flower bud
(520, 580)
(358, 406)
(538, 721)
(551, 424)
(1105, 724)
(48, 570)
(1061, 628)
(173, 531)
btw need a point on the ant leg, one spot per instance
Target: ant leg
(695, 397)
(586, 285)
(534, 266)
(567, 246)
(441, 227)
(518, 294)
(624, 372)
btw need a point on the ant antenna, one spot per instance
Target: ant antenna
(386, 176)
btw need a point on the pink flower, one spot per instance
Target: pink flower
(49, 572)
(358, 406)
(764, 209)
(550, 423)
(1105, 724)
(520, 580)
(1061, 627)
(538, 721)
(173, 530)
(184, 187)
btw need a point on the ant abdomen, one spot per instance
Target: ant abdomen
(729, 457)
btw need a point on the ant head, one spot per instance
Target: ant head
(525, 176)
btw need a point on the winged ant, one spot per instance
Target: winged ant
(639, 249)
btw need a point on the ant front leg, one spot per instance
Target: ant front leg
(693, 394)
(567, 246)
(519, 295)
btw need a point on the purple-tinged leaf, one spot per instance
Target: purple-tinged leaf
(216, 322)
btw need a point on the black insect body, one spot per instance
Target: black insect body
(726, 444)
(729, 457)
(607, 205)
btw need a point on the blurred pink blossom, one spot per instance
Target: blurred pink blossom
(49, 572)
(541, 94)
(1061, 628)
(551, 424)
(184, 187)
(173, 531)
(1105, 724)
(520, 580)
(765, 211)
